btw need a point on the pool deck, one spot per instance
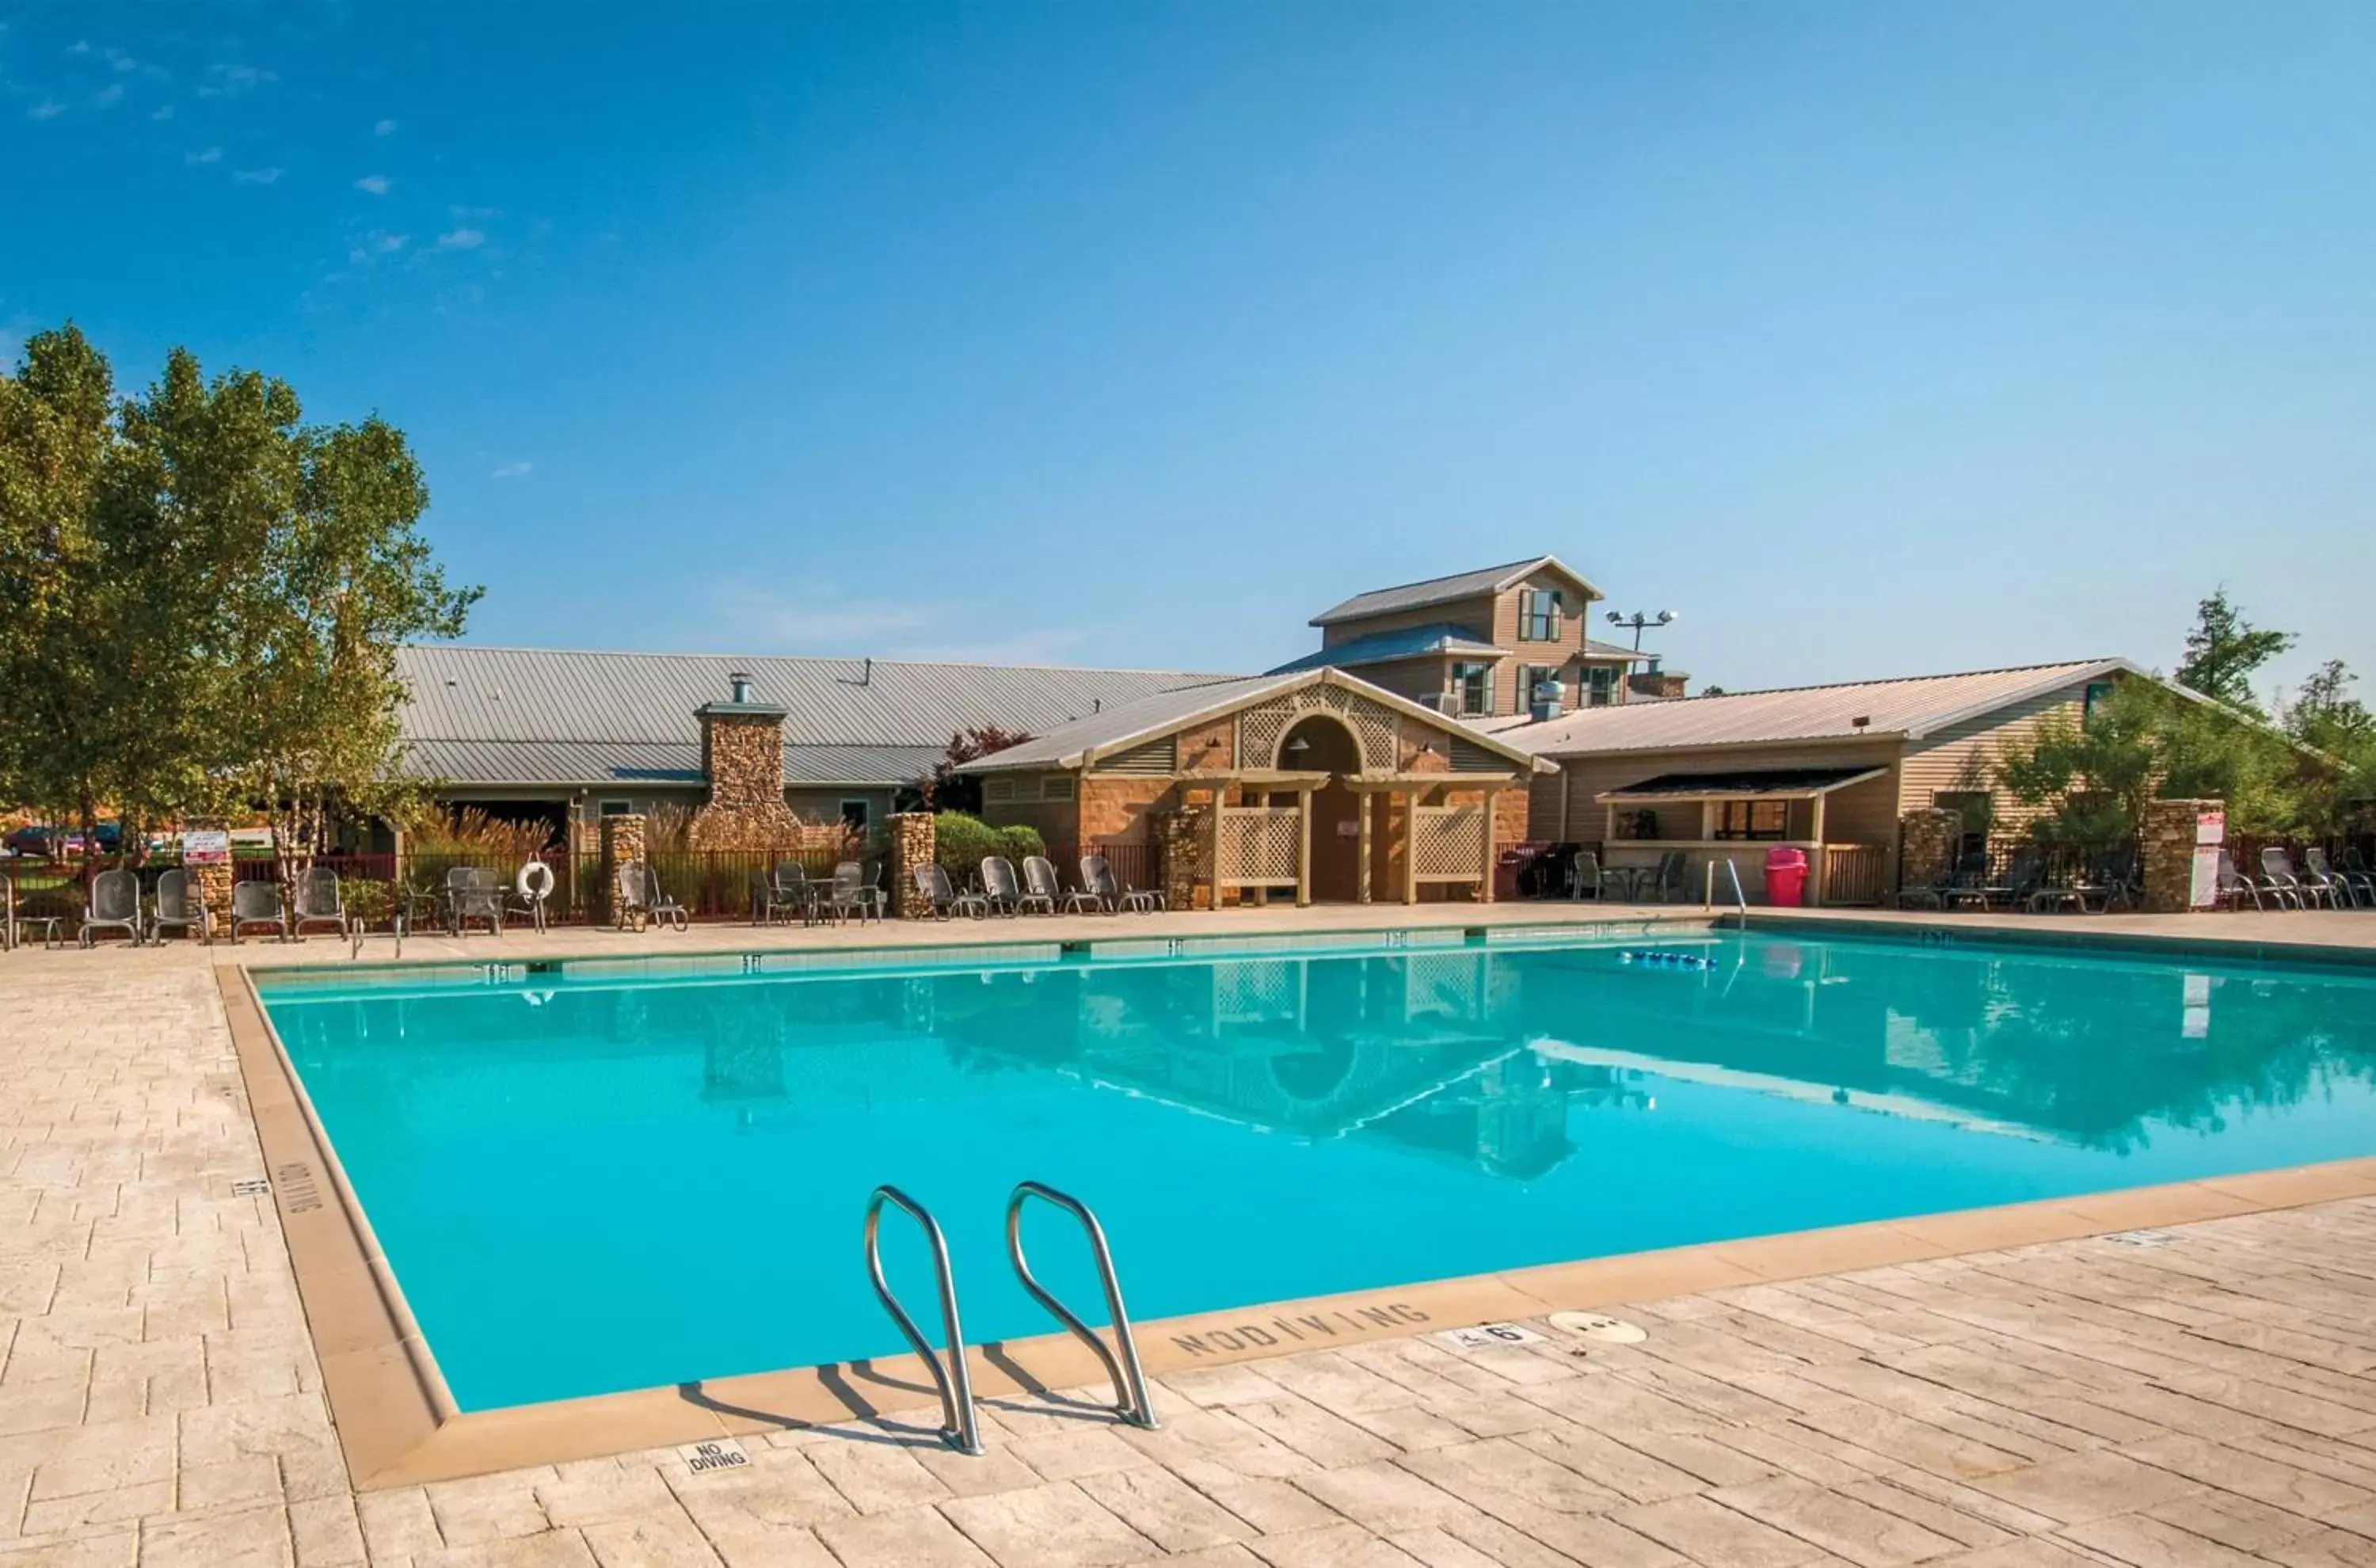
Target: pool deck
(2004, 1387)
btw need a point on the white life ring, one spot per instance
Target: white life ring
(534, 882)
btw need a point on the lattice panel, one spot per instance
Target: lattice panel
(1448, 843)
(1261, 728)
(1260, 845)
(1266, 992)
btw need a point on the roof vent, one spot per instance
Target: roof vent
(742, 684)
(1860, 721)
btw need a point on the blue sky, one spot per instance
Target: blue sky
(1873, 338)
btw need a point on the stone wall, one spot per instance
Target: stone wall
(2167, 838)
(915, 841)
(1212, 745)
(744, 755)
(1184, 842)
(1927, 838)
(623, 840)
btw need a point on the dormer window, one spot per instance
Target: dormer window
(1539, 616)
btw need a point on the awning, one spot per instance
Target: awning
(1748, 784)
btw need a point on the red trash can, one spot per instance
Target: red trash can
(1786, 877)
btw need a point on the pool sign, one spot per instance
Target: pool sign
(1485, 1335)
(205, 847)
(722, 1454)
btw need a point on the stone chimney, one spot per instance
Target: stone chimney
(1659, 685)
(743, 757)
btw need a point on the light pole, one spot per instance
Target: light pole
(1641, 622)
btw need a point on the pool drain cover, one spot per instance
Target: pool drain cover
(1594, 1326)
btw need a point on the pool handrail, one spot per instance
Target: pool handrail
(959, 1427)
(1121, 1361)
(1740, 899)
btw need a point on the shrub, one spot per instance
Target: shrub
(960, 841)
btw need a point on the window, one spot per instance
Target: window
(1538, 614)
(2098, 692)
(1753, 819)
(617, 808)
(1600, 685)
(1056, 787)
(1531, 676)
(854, 812)
(1473, 684)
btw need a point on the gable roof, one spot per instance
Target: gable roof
(489, 716)
(1443, 590)
(1082, 741)
(1904, 710)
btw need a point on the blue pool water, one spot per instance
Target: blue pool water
(587, 1185)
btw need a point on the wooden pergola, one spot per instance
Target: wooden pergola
(1417, 835)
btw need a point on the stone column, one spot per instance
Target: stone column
(1178, 838)
(2167, 835)
(623, 840)
(1926, 837)
(915, 841)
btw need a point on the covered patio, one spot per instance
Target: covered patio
(1738, 815)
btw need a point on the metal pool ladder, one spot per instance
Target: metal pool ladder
(958, 1423)
(1120, 1360)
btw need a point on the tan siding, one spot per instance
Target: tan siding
(1476, 615)
(1961, 757)
(1417, 679)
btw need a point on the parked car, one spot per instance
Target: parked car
(31, 840)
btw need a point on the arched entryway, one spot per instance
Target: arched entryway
(1321, 742)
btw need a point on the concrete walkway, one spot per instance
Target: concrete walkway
(2205, 1398)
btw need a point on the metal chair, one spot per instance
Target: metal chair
(784, 891)
(471, 893)
(1098, 878)
(933, 882)
(14, 922)
(1040, 877)
(181, 905)
(257, 903)
(115, 906)
(1000, 886)
(319, 902)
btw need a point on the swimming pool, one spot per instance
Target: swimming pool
(598, 1178)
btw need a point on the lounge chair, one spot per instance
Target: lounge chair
(1098, 879)
(852, 894)
(257, 903)
(1039, 877)
(319, 902)
(1967, 886)
(115, 906)
(2112, 882)
(2355, 866)
(640, 893)
(2233, 886)
(2277, 877)
(785, 891)
(180, 906)
(1000, 886)
(933, 883)
(14, 922)
(471, 893)
(2318, 871)
(2358, 887)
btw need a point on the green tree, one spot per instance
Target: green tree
(2089, 782)
(2339, 793)
(2224, 650)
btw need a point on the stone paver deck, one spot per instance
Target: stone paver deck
(2206, 1400)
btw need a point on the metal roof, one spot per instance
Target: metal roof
(1900, 709)
(1118, 729)
(1443, 590)
(1410, 642)
(1761, 783)
(553, 716)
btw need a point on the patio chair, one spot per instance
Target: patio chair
(640, 893)
(933, 883)
(2355, 866)
(2112, 881)
(2233, 886)
(2277, 875)
(850, 895)
(257, 903)
(115, 906)
(1966, 887)
(2318, 871)
(1000, 886)
(14, 924)
(181, 905)
(2359, 884)
(1585, 876)
(319, 902)
(1040, 877)
(1666, 880)
(785, 891)
(471, 893)
(1098, 879)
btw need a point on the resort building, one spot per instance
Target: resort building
(1827, 770)
(1313, 784)
(576, 736)
(1481, 644)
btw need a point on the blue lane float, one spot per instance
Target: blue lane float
(1663, 959)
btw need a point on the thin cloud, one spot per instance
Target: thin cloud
(203, 155)
(255, 176)
(120, 61)
(375, 184)
(513, 471)
(47, 109)
(228, 80)
(461, 240)
(378, 243)
(79, 46)
(107, 96)
(163, 111)
(384, 129)
(468, 214)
